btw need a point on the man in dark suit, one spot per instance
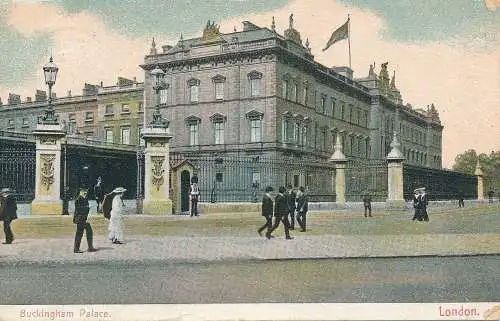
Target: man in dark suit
(267, 210)
(460, 198)
(290, 197)
(302, 208)
(280, 214)
(80, 219)
(8, 213)
(367, 203)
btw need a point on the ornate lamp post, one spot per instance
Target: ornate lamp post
(158, 75)
(50, 72)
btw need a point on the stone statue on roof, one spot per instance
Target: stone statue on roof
(291, 21)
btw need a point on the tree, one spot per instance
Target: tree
(490, 164)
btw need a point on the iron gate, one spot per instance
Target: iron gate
(366, 176)
(18, 170)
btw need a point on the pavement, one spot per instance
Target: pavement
(184, 249)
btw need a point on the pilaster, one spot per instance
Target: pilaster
(48, 170)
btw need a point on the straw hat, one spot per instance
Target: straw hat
(6, 191)
(119, 190)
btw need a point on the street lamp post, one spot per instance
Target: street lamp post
(158, 75)
(50, 72)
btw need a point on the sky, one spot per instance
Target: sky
(445, 52)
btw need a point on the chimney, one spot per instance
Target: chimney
(166, 48)
(89, 90)
(40, 96)
(102, 84)
(14, 99)
(1, 103)
(69, 93)
(248, 26)
(53, 95)
(124, 82)
(28, 99)
(135, 80)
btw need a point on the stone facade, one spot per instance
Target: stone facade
(252, 92)
(217, 89)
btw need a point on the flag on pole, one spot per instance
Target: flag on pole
(340, 34)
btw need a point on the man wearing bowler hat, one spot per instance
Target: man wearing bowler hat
(80, 219)
(267, 210)
(8, 213)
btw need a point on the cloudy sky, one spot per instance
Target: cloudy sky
(445, 52)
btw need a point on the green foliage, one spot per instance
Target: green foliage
(490, 164)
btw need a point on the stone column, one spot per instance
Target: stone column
(480, 186)
(395, 197)
(340, 161)
(157, 167)
(48, 170)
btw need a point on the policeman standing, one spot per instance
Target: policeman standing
(80, 219)
(194, 195)
(8, 213)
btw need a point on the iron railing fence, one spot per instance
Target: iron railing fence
(18, 170)
(244, 178)
(366, 177)
(440, 184)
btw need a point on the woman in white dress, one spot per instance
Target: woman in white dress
(115, 226)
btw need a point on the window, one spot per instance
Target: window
(284, 90)
(304, 136)
(350, 114)
(342, 111)
(89, 116)
(125, 108)
(296, 133)
(108, 132)
(11, 123)
(72, 118)
(125, 135)
(219, 177)
(108, 110)
(255, 87)
(323, 139)
(333, 107)
(284, 130)
(194, 86)
(25, 122)
(358, 116)
(305, 93)
(295, 95)
(164, 96)
(254, 78)
(219, 132)
(219, 90)
(139, 107)
(255, 130)
(366, 119)
(323, 104)
(193, 133)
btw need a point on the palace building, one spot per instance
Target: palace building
(258, 92)
(251, 94)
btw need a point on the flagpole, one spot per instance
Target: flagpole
(349, 38)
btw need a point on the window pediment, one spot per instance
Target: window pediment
(287, 114)
(253, 114)
(218, 118)
(219, 79)
(254, 75)
(193, 82)
(298, 117)
(192, 120)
